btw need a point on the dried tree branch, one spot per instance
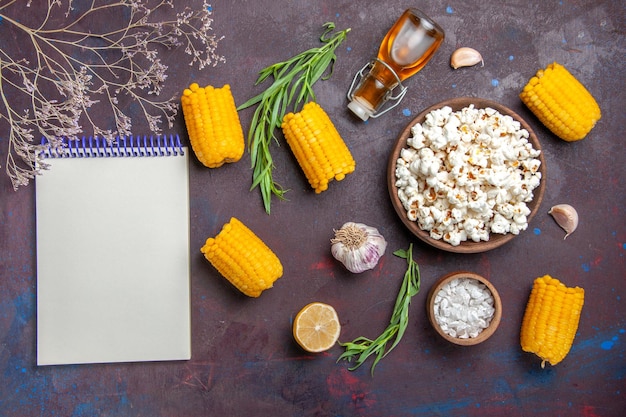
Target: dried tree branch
(65, 71)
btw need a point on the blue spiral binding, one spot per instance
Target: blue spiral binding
(122, 146)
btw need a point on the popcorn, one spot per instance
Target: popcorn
(467, 174)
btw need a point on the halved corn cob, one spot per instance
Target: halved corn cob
(213, 124)
(551, 319)
(243, 258)
(317, 146)
(561, 102)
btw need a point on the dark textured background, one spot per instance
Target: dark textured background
(244, 360)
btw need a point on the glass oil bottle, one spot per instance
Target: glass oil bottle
(407, 47)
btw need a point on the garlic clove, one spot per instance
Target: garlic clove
(565, 216)
(466, 57)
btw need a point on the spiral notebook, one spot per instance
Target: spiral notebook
(113, 282)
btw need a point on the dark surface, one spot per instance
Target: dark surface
(244, 360)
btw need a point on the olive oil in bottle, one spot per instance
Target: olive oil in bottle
(408, 46)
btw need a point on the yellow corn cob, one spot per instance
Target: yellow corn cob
(317, 146)
(243, 258)
(561, 103)
(213, 124)
(551, 319)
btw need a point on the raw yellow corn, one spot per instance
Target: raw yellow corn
(243, 258)
(317, 146)
(551, 319)
(561, 103)
(213, 124)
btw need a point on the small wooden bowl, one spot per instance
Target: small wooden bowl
(469, 246)
(482, 336)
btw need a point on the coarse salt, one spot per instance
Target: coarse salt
(463, 308)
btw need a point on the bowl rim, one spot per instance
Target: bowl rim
(486, 333)
(468, 246)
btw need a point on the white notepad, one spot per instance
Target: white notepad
(113, 282)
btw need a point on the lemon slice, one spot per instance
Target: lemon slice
(316, 327)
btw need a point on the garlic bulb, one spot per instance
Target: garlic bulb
(465, 57)
(357, 246)
(565, 216)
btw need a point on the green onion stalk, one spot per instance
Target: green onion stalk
(361, 348)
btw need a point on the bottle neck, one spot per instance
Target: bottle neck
(374, 89)
(385, 74)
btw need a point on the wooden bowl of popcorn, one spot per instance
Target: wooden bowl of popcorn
(466, 175)
(464, 308)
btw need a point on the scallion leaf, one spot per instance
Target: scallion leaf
(361, 348)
